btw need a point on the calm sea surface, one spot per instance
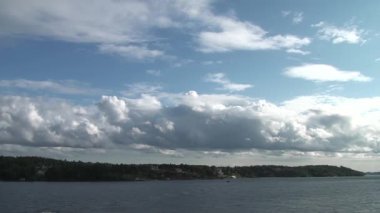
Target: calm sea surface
(353, 194)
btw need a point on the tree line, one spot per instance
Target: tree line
(46, 169)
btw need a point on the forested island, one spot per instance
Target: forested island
(46, 169)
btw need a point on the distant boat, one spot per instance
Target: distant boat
(231, 177)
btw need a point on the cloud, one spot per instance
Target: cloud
(347, 34)
(194, 122)
(297, 51)
(182, 62)
(154, 72)
(63, 87)
(137, 89)
(333, 88)
(212, 62)
(324, 73)
(297, 17)
(117, 27)
(285, 13)
(150, 149)
(232, 34)
(130, 51)
(48, 123)
(129, 28)
(221, 79)
(115, 110)
(106, 22)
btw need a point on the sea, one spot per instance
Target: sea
(311, 194)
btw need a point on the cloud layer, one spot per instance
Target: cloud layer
(129, 28)
(207, 123)
(70, 87)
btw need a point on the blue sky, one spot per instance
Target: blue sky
(206, 82)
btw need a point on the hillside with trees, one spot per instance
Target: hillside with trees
(45, 169)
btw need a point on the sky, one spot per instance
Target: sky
(213, 82)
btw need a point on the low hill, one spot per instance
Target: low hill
(45, 169)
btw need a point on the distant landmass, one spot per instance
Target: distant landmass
(46, 169)
(372, 173)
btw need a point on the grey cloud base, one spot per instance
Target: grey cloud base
(226, 123)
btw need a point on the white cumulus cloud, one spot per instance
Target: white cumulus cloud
(195, 122)
(347, 34)
(324, 73)
(231, 34)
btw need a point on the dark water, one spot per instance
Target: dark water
(354, 194)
